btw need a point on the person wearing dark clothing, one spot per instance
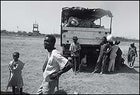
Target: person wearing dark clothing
(119, 60)
(132, 54)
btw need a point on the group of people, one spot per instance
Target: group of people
(56, 64)
(110, 56)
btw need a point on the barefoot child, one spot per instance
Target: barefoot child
(15, 79)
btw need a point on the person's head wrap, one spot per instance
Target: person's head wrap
(117, 42)
(75, 38)
(132, 44)
(109, 38)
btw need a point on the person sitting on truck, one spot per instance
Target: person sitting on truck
(75, 53)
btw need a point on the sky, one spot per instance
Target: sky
(20, 15)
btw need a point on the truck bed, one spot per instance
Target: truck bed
(86, 36)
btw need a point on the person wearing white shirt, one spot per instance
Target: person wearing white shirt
(54, 66)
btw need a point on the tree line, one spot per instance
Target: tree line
(24, 33)
(20, 33)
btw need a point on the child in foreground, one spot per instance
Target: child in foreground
(15, 78)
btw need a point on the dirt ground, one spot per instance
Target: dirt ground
(32, 53)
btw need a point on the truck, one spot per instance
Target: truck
(80, 22)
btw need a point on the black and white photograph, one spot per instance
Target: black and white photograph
(69, 47)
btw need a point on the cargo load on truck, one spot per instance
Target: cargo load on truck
(82, 17)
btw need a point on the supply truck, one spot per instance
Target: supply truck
(80, 22)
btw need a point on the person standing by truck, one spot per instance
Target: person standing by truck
(75, 53)
(113, 56)
(106, 54)
(100, 58)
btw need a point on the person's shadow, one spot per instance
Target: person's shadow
(85, 69)
(123, 69)
(126, 69)
(62, 92)
(136, 66)
(10, 93)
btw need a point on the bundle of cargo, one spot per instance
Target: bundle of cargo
(82, 17)
(89, 23)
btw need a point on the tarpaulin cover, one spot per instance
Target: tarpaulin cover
(84, 13)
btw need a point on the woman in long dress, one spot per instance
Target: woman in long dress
(132, 54)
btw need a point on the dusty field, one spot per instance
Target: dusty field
(32, 53)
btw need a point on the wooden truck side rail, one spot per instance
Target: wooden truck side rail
(86, 36)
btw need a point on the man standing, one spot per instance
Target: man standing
(75, 53)
(54, 66)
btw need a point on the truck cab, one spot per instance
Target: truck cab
(80, 22)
